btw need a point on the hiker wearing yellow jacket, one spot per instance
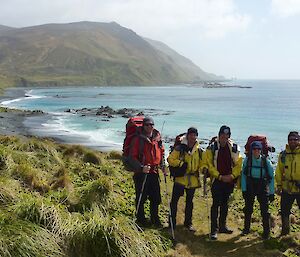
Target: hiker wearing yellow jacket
(224, 163)
(186, 159)
(288, 179)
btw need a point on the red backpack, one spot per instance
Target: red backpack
(266, 148)
(133, 129)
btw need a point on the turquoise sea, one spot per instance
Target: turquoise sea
(270, 107)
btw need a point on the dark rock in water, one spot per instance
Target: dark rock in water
(37, 112)
(108, 113)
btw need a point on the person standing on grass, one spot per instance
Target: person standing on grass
(257, 180)
(148, 156)
(224, 163)
(187, 157)
(288, 179)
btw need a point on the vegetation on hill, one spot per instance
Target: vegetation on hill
(91, 53)
(66, 200)
(59, 200)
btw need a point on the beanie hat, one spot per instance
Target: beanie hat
(225, 130)
(147, 120)
(192, 130)
(294, 134)
(256, 145)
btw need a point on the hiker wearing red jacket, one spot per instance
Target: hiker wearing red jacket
(147, 156)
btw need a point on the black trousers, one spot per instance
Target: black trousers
(257, 188)
(220, 194)
(151, 191)
(178, 191)
(287, 201)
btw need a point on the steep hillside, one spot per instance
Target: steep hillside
(184, 63)
(87, 53)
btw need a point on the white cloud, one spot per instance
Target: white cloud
(210, 18)
(286, 8)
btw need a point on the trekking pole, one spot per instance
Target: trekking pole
(205, 174)
(170, 211)
(141, 194)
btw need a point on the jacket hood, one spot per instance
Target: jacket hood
(155, 136)
(185, 142)
(288, 149)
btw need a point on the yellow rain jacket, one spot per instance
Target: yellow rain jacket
(288, 170)
(194, 160)
(211, 156)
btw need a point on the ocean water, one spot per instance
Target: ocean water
(270, 107)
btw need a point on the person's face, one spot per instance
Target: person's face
(293, 142)
(148, 127)
(223, 138)
(191, 138)
(256, 152)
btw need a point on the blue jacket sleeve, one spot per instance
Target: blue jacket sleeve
(271, 173)
(243, 176)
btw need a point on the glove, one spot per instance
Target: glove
(271, 198)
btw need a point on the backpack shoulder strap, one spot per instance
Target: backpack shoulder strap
(283, 156)
(141, 149)
(213, 147)
(200, 152)
(234, 148)
(265, 165)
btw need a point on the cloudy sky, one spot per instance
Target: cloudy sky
(258, 39)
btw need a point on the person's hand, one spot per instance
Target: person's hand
(226, 178)
(146, 168)
(271, 198)
(205, 172)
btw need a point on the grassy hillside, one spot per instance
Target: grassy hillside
(64, 200)
(58, 200)
(86, 53)
(188, 66)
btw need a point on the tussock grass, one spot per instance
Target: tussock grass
(91, 157)
(8, 190)
(23, 238)
(115, 155)
(61, 200)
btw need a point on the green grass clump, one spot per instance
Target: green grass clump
(57, 200)
(91, 157)
(23, 238)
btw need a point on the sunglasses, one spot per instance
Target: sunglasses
(149, 124)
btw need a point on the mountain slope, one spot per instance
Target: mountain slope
(184, 63)
(87, 53)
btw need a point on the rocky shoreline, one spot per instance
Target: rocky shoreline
(107, 112)
(12, 121)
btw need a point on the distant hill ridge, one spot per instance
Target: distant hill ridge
(89, 53)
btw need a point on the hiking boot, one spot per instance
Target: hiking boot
(245, 232)
(213, 236)
(143, 223)
(225, 230)
(266, 236)
(190, 228)
(285, 226)
(157, 224)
